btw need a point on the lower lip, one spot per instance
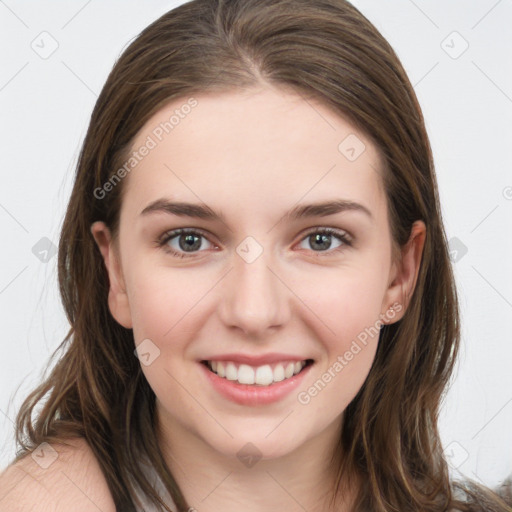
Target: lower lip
(247, 394)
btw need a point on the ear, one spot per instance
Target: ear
(117, 296)
(404, 274)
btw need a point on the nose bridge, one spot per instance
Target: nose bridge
(253, 298)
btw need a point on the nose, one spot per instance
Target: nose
(254, 298)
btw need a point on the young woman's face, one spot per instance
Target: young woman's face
(254, 275)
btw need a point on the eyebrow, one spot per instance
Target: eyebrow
(202, 211)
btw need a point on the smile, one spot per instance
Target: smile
(249, 385)
(264, 375)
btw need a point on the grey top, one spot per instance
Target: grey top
(158, 486)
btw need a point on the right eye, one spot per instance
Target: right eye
(186, 242)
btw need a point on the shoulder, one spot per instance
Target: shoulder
(56, 478)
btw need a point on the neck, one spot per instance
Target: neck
(210, 481)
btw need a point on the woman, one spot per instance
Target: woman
(233, 144)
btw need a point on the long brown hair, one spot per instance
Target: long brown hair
(324, 49)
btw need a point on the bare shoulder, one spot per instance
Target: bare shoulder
(56, 478)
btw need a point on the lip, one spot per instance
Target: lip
(256, 360)
(251, 395)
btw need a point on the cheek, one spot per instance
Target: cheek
(165, 304)
(347, 301)
(162, 300)
(347, 307)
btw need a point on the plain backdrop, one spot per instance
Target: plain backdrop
(55, 57)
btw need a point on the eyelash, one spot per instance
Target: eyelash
(169, 235)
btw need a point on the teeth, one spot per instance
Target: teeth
(261, 375)
(231, 373)
(245, 374)
(264, 375)
(279, 373)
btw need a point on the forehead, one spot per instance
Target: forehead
(252, 146)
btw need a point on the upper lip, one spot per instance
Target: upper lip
(253, 360)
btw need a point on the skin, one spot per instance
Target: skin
(73, 481)
(254, 155)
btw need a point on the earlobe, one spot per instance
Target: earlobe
(117, 295)
(406, 272)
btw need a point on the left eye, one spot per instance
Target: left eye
(323, 237)
(191, 241)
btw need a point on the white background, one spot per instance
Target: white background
(45, 105)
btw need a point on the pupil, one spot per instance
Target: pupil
(190, 243)
(324, 239)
